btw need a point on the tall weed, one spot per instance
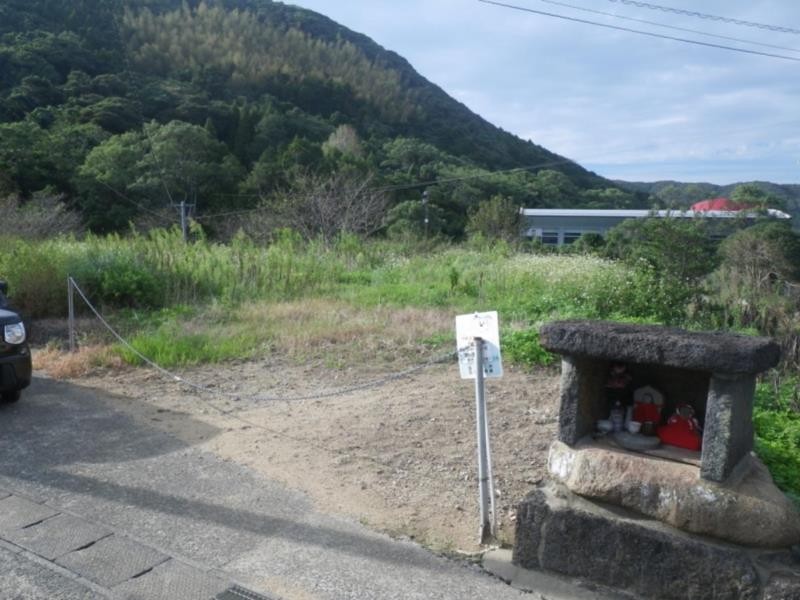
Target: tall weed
(776, 417)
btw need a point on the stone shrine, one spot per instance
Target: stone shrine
(638, 512)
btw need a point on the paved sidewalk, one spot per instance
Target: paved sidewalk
(94, 504)
(49, 553)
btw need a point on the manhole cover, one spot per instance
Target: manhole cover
(240, 593)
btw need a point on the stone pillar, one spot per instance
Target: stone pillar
(568, 417)
(582, 403)
(728, 433)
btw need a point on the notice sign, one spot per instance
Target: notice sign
(484, 326)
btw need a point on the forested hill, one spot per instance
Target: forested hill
(682, 195)
(119, 104)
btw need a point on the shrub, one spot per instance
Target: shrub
(776, 418)
(41, 217)
(523, 347)
(498, 218)
(37, 276)
(677, 248)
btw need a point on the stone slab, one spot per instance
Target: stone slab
(112, 560)
(56, 536)
(542, 585)
(172, 580)
(22, 578)
(559, 531)
(751, 510)
(16, 512)
(652, 344)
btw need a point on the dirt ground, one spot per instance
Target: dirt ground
(401, 458)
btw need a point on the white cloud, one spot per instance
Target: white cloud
(606, 97)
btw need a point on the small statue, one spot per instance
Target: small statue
(682, 429)
(618, 378)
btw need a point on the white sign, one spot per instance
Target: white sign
(479, 325)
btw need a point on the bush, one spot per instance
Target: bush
(496, 219)
(42, 217)
(36, 275)
(776, 418)
(523, 347)
(114, 275)
(677, 248)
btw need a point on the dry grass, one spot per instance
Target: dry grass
(328, 329)
(331, 332)
(61, 364)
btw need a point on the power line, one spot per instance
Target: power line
(639, 31)
(673, 27)
(133, 202)
(699, 15)
(403, 187)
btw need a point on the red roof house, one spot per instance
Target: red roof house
(717, 204)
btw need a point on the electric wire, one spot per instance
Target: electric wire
(639, 31)
(138, 205)
(665, 26)
(403, 187)
(699, 15)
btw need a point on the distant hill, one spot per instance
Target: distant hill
(258, 91)
(683, 195)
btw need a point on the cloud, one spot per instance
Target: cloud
(607, 98)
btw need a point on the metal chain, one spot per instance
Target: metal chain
(233, 413)
(262, 398)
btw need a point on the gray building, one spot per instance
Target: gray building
(559, 227)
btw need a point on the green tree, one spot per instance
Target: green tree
(553, 188)
(150, 169)
(750, 194)
(186, 163)
(756, 281)
(408, 218)
(496, 219)
(677, 248)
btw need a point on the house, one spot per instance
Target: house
(561, 227)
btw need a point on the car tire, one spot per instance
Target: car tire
(12, 396)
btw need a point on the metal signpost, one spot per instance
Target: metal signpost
(478, 339)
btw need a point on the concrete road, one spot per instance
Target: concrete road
(96, 505)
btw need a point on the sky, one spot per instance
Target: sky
(624, 105)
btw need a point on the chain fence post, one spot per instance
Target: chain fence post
(71, 313)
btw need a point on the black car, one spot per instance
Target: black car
(15, 355)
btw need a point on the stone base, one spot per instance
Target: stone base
(748, 509)
(561, 532)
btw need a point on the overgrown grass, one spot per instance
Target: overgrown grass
(188, 304)
(776, 418)
(193, 303)
(159, 270)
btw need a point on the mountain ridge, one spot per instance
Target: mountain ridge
(274, 84)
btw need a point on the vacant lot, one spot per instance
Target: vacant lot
(399, 457)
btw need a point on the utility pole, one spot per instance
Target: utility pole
(184, 209)
(183, 221)
(425, 206)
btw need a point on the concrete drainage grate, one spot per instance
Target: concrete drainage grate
(239, 593)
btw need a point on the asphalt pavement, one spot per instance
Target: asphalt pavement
(94, 504)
